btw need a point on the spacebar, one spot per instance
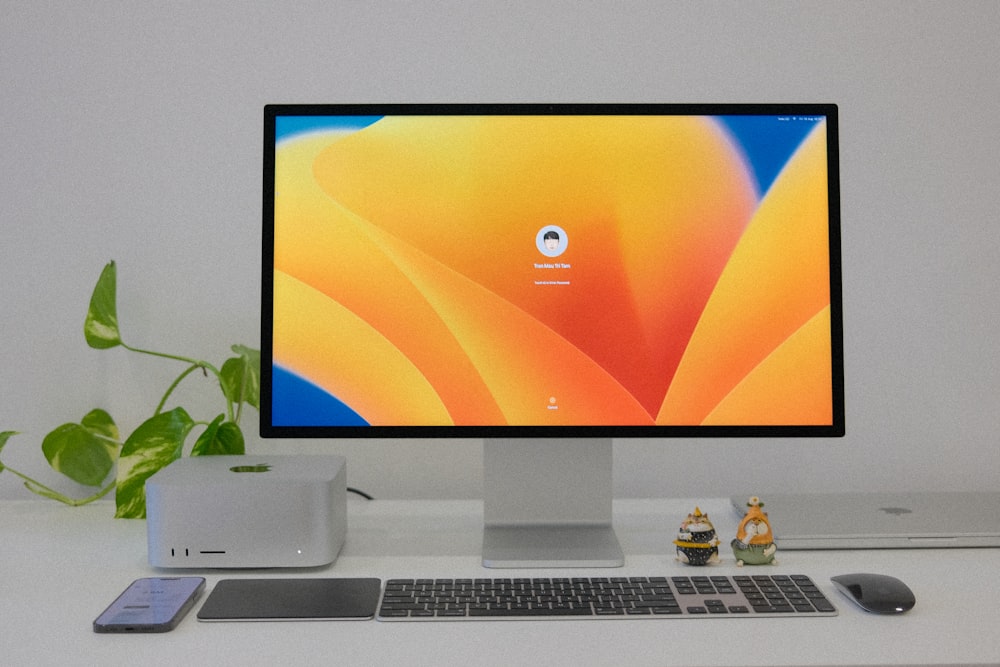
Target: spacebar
(578, 611)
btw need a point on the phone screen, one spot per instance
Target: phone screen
(152, 604)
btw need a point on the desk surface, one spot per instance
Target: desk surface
(61, 566)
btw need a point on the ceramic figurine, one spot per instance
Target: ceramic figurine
(696, 541)
(754, 543)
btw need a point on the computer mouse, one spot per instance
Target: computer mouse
(878, 593)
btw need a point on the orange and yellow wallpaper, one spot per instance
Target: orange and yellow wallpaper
(414, 283)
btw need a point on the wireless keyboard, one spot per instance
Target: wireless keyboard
(744, 596)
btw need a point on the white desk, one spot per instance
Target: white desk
(61, 566)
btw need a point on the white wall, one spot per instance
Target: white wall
(132, 131)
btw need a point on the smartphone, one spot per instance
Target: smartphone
(151, 604)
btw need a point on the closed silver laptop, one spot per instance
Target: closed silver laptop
(881, 521)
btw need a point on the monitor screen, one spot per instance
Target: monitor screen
(551, 270)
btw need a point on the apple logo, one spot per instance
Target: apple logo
(896, 511)
(257, 467)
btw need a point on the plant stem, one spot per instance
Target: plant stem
(164, 355)
(195, 365)
(37, 487)
(239, 404)
(173, 385)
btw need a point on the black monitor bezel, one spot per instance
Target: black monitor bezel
(829, 111)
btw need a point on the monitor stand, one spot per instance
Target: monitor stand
(548, 503)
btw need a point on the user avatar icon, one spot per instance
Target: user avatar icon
(551, 240)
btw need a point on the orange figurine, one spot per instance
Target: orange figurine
(754, 543)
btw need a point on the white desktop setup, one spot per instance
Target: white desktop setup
(65, 565)
(547, 278)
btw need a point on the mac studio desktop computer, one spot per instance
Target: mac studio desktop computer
(550, 277)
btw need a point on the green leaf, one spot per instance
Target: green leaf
(83, 454)
(4, 437)
(101, 423)
(221, 437)
(46, 492)
(101, 326)
(157, 442)
(240, 376)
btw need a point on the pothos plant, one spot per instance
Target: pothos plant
(88, 451)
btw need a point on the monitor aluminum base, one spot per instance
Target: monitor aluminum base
(548, 503)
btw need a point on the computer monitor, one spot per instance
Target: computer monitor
(549, 277)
